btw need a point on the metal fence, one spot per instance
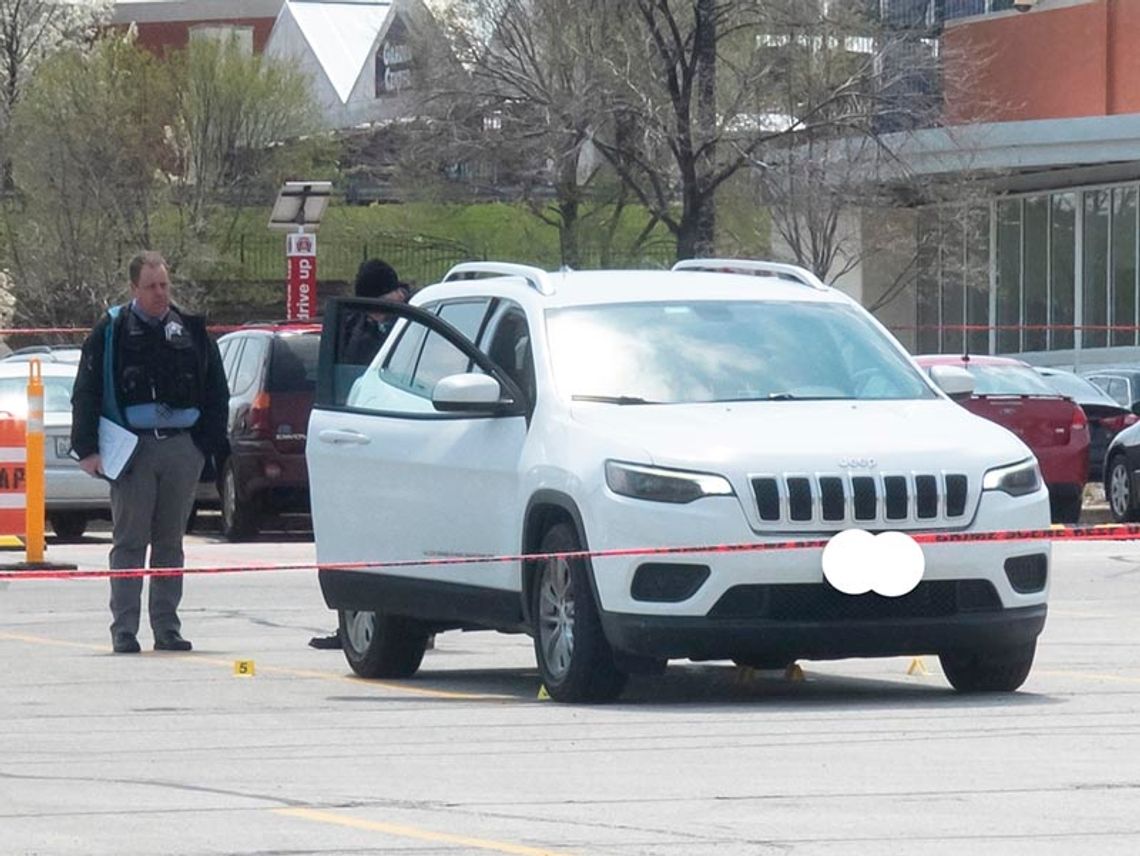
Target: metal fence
(418, 260)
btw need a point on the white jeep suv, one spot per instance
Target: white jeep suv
(517, 412)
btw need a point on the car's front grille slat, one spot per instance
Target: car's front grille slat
(830, 500)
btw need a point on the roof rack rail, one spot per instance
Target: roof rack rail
(536, 278)
(755, 268)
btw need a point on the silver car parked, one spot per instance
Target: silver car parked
(72, 498)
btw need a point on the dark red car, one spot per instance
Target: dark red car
(271, 370)
(1010, 393)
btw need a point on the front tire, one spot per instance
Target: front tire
(575, 661)
(239, 519)
(995, 671)
(1118, 491)
(381, 646)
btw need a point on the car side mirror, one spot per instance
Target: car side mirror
(955, 381)
(470, 393)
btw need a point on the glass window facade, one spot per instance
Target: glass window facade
(1056, 270)
(953, 309)
(966, 8)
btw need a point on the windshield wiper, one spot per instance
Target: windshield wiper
(613, 399)
(791, 396)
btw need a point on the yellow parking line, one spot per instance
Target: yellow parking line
(401, 831)
(58, 643)
(280, 670)
(1092, 676)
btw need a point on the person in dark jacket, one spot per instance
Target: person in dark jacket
(151, 369)
(359, 339)
(362, 333)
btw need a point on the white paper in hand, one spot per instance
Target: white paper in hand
(116, 447)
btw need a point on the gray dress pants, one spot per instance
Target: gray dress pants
(150, 506)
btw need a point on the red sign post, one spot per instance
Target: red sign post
(301, 285)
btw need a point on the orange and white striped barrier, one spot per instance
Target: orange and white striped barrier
(13, 475)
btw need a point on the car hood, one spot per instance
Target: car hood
(808, 436)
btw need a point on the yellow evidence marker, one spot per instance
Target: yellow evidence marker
(543, 695)
(243, 668)
(917, 667)
(794, 673)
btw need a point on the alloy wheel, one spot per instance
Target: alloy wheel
(360, 628)
(556, 617)
(1120, 491)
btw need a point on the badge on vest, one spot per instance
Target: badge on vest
(173, 330)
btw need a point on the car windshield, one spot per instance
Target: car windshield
(1008, 380)
(702, 350)
(1078, 389)
(14, 395)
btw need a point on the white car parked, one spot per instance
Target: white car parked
(514, 411)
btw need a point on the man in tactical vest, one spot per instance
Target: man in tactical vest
(151, 368)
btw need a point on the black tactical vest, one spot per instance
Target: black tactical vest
(157, 363)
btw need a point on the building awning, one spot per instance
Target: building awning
(1027, 155)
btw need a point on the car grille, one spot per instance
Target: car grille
(834, 501)
(821, 602)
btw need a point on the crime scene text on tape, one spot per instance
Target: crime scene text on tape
(1104, 532)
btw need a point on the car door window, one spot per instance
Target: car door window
(404, 384)
(230, 358)
(1117, 389)
(439, 358)
(248, 369)
(508, 344)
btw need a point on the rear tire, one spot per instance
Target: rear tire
(1000, 670)
(575, 661)
(381, 646)
(239, 519)
(1118, 491)
(69, 525)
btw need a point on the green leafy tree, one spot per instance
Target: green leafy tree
(88, 144)
(115, 150)
(31, 31)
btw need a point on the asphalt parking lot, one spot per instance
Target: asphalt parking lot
(175, 754)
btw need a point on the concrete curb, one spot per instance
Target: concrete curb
(1093, 515)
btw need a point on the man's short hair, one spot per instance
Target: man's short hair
(375, 279)
(147, 258)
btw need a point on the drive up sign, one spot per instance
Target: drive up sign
(301, 285)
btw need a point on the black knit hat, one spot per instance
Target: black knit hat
(375, 279)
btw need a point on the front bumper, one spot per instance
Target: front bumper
(711, 639)
(621, 523)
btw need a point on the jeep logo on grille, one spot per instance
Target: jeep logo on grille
(857, 463)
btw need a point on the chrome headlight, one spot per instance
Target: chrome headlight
(658, 485)
(1017, 479)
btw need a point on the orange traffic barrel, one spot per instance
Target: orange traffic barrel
(13, 475)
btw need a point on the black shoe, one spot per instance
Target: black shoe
(125, 643)
(327, 643)
(171, 640)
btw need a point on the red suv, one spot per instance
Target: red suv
(1010, 393)
(271, 370)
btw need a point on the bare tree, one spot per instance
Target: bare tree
(525, 110)
(114, 150)
(233, 112)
